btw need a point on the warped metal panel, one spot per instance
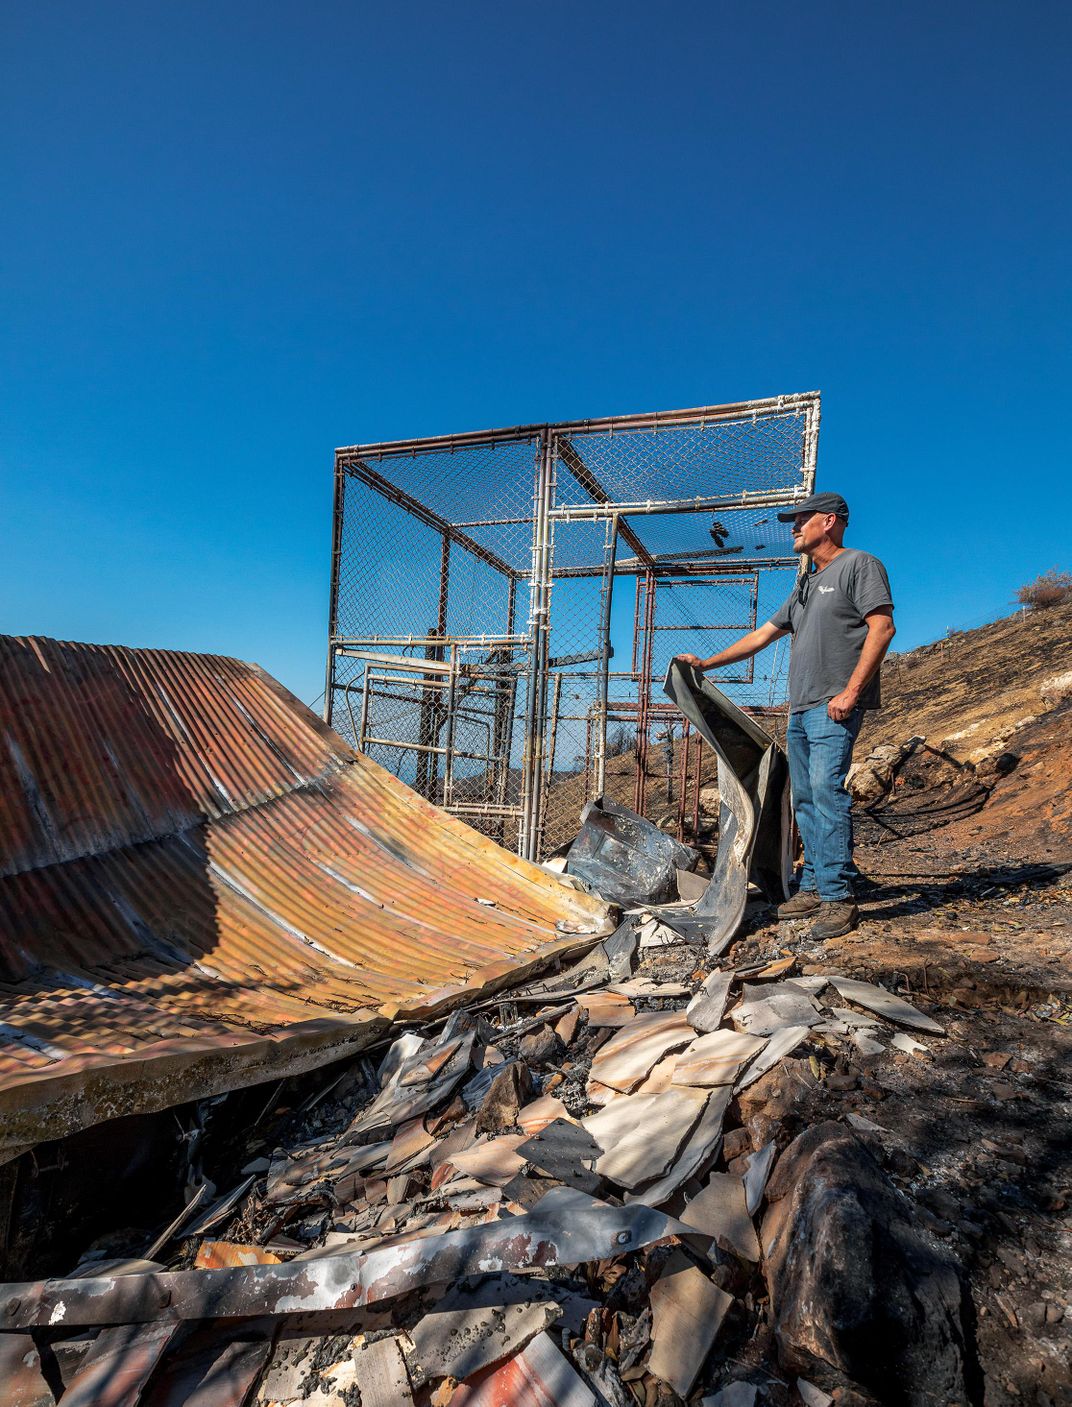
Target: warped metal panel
(753, 820)
(202, 886)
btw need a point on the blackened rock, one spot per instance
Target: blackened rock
(854, 1285)
(901, 1163)
(541, 1047)
(942, 1203)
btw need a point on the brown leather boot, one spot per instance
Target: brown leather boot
(800, 906)
(836, 917)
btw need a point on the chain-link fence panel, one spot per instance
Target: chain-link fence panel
(666, 460)
(582, 558)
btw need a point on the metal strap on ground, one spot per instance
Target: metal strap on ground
(565, 1227)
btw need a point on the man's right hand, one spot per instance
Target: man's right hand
(694, 660)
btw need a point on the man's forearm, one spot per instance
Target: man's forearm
(742, 649)
(880, 632)
(871, 656)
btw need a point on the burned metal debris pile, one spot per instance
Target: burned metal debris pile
(628, 860)
(552, 1198)
(551, 1192)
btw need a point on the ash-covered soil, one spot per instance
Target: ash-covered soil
(980, 1129)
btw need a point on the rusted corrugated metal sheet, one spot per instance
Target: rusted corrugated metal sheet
(201, 887)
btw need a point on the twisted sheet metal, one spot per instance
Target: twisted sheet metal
(201, 887)
(565, 1227)
(753, 810)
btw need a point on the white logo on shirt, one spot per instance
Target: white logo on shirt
(826, 590)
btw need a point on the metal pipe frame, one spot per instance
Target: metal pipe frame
(355, 646)
(682, 565)
(539, 624)
(337, 506)
(451, 721)
(795, 404)
(552, 742)
(651, 507)
(490, 809)
(644, 696)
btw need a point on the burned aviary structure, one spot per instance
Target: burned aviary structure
(504, 605)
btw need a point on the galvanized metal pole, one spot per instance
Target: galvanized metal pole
(809, 462)
(604, 672)
(333, 594)
(448, 757)
(552, 744)
(539, 621)
(359, 742)
(644, 698)
(811, 444)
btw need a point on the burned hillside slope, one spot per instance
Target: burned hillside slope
(994, 708)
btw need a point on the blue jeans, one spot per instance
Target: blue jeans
(820, 751)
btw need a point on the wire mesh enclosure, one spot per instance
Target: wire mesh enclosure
(504, 605)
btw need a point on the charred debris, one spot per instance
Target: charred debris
(599, 1186)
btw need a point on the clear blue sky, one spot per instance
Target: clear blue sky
(237, 235)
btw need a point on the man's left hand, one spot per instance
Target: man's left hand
(841, 705)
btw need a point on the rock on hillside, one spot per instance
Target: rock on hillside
(998, 699)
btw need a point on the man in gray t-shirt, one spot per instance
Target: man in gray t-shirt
(840, 616)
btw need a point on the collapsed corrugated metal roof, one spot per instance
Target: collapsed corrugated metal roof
(202, 887)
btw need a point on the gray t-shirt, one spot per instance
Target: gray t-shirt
(825, 615)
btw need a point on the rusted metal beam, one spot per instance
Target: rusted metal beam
(426, 515)
(591, 485)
